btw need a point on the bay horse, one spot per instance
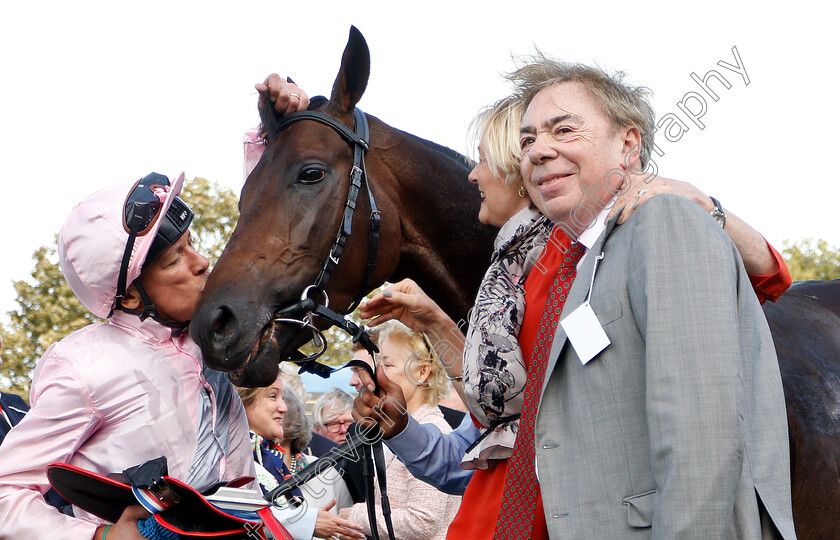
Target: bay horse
(427, 228)
(294, 202)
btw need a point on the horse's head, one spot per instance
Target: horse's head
(291, 209)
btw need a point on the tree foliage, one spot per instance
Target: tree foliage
(48, 310)
(812, 259)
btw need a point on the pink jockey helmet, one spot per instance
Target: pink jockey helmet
(93, 240)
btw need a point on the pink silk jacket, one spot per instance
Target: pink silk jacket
(111, 396)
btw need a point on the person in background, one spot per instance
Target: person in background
(418, 511)
(329, 484)
(332, 415)
(266, 410)
(12, 408)
(318, 445)
(452, 416)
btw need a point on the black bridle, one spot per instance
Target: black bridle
(301, 312)
(358, 138)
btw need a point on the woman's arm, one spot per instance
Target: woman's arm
(767, 270)
(406, 302)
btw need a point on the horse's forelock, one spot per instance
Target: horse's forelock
(271, 121)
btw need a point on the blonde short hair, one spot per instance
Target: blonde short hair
(420, 352)
(496, 129)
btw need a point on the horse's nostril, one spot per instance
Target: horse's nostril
(225, 328)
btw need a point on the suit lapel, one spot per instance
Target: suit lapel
(577, 295)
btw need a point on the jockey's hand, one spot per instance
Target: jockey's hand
(383, 410)
(126, 527)
(406, 302)
(285, 95)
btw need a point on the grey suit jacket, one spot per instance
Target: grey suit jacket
(672, 429)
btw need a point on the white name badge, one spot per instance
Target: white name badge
(585, 332)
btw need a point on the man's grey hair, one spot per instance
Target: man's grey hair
(624, 104)
(337, 401)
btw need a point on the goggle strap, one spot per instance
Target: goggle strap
(148, 307)
(121, 284)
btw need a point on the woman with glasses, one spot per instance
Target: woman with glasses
(418, 510)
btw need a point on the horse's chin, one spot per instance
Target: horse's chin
(258, 372)
(261, 367)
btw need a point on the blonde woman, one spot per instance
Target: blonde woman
(418, 511)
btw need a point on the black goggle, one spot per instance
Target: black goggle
(140, 213)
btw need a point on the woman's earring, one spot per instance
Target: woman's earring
(521, 191)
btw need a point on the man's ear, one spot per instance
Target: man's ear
(632, 144)
(132, 298)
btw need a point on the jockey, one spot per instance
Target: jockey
(118, 393)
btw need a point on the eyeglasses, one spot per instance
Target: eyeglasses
(336, 425)
(140, 213)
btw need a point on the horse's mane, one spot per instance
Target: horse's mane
(445, 151)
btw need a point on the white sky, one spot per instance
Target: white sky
(98, 92)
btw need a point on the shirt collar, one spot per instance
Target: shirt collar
(588, 237)
(148, 328)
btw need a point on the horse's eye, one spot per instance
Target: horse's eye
(311, 175)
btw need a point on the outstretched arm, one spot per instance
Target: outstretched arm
(428, 454)
(406, 302)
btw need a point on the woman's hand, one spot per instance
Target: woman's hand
(406, 302)
(332, 526)
(285, 95)
(754, 249)
(642, 188)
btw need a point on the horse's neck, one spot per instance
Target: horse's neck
(444, 247)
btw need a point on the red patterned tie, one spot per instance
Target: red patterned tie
(519, 505)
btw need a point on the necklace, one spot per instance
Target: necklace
(293, 467)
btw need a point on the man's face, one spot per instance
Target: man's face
(567, 146)
(364, 356)
(176, 279)
(335, 425)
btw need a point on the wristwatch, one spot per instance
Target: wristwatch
(718, 213)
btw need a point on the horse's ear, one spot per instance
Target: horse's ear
(269, 118)
(353, 76)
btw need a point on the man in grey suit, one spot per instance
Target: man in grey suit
(662, 412)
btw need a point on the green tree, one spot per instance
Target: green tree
(48, 310)
(812, 259)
